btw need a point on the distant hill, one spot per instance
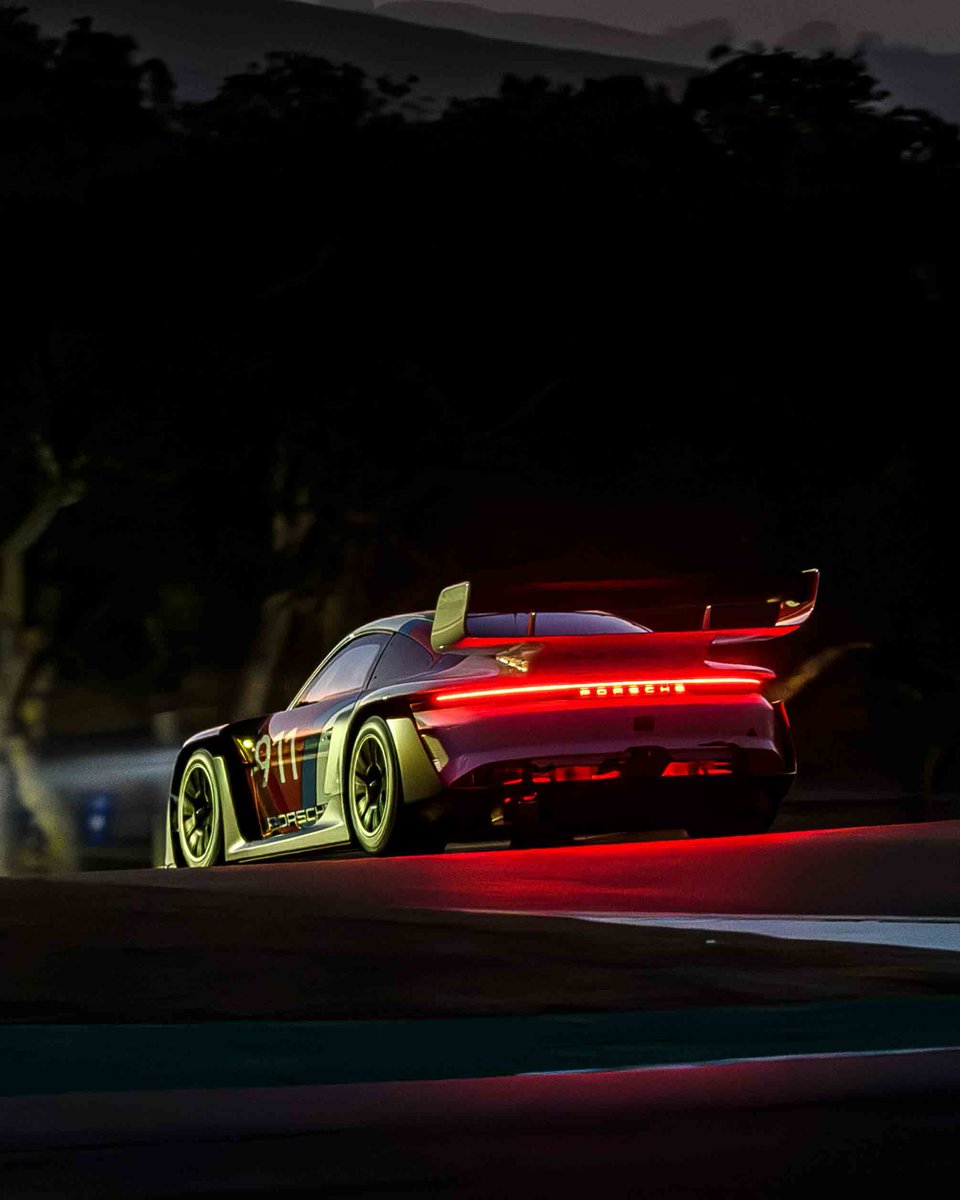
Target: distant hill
(204, 40)
(916, 78)
(351, 5)
(928, 23)
(683, 44)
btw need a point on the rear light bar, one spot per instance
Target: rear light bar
(623, 689)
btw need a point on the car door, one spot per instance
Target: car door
(291, 747)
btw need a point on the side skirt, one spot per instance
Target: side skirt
(332, 832)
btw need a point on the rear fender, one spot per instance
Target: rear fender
(784, 737)
(418, 775)
(419, 778)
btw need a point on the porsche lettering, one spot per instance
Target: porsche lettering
(296, 820)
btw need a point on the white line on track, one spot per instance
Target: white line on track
(928, 933)
(732, 1062)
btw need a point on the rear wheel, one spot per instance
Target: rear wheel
(538, 838)
(381, 823)
(755, 814)
(200, 813)
(373, 789)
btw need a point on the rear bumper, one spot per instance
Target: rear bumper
(601, 768)
(607, 807)
(748, 729)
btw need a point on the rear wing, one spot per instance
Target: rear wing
(715, 608)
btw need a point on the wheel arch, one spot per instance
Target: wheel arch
(419, 778)
(219, 744)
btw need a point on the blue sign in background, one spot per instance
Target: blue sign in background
(96, 818)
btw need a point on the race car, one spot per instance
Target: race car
(537, 718)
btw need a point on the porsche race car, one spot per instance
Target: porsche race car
(537, 719)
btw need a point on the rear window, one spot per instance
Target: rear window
(549, 624)
(402, 659)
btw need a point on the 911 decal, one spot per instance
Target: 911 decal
(263, 753)
(284, 770)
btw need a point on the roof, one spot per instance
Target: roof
(398, 624)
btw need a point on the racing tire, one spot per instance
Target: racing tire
(200, 813)
(374, 793)
(757, 815)
(380, 822)
(538, 838)
(731, 827)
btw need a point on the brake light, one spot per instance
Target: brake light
(631, 689)
(697, 767)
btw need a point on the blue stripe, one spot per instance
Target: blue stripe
(308, 771)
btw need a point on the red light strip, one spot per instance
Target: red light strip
(630, 687)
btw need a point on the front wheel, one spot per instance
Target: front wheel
(200, 813)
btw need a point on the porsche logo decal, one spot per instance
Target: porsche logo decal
(295, 820)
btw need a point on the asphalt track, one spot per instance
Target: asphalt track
(454, 1024)
(873, 870)
(883, 1124)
